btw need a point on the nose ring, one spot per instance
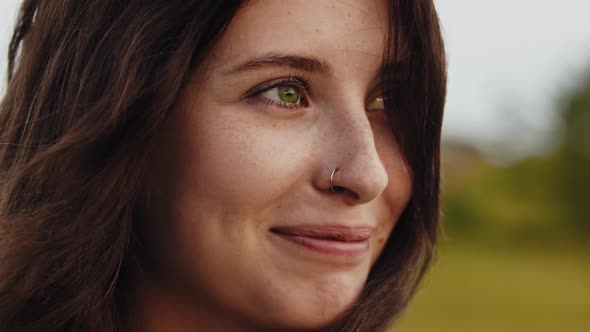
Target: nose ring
(332, 178)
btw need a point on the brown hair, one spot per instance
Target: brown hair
(89, 82)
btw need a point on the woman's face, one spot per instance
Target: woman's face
(240, 207)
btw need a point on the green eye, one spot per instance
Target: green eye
(288, 94)
(376, 105)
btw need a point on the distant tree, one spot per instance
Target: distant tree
(575, 157)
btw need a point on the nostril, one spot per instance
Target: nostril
(340, 189)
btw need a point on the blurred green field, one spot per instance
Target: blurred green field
(500, 290)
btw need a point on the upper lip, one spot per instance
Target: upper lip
(327, 232)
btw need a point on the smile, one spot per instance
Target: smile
(338, 241)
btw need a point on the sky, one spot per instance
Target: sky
(509, 63)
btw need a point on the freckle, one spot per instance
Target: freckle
(381, 240)
(317, 30)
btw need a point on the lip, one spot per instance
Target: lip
(327, 240)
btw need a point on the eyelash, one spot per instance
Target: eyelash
(300, 82)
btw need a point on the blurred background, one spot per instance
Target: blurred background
(515, 254)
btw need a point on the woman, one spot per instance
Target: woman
(218, 165)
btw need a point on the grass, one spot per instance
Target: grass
(499, 290)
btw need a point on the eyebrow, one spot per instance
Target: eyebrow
(309, 64)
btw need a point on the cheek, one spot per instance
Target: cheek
(398, 191)
(390, 212)
(237, 157)
(399, 188)
(234, 163)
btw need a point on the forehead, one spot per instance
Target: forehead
(348, 32)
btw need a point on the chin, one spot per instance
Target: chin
(316, 311)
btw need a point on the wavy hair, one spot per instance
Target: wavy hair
(89, 83)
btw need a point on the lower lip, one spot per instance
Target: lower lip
(327, 247)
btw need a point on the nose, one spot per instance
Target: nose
(361, 176)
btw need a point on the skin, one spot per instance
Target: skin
(225, 169)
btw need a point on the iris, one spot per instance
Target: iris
(288, 94)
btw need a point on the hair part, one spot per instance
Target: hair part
(89, 83)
